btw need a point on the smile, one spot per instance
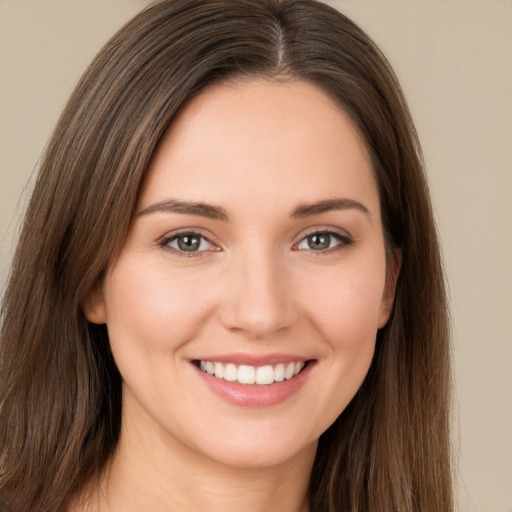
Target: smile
(245, 374)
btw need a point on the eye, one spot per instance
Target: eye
(188, 242)
(323, 241)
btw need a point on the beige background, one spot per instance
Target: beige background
(454, 58)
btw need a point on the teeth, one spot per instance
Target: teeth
(288, 373)
(210, 368)
(245, 374)
(219, 370)
(230, 372)
(265, 375)
(279, 373)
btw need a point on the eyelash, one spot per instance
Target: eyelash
(164, 243)
(343, 239)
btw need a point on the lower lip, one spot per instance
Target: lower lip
(256, 395)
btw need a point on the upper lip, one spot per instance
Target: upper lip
(254, 359)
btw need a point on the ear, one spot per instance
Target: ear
(94, 306)
(388, 297)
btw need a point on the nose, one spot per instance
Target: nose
(258, 299)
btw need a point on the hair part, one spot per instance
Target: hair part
(60, 390)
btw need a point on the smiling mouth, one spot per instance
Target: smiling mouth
(252, 375)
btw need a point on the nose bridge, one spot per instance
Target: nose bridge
(257, 301)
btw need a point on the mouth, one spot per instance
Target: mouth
(252, 375)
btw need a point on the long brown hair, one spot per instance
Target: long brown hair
(60, 391)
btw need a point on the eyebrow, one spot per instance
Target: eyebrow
(188, 208)
(218, 213)
(305, 210)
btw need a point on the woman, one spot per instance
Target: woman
(228, 290)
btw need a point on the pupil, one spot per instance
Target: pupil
(188, 243)
(318, 242)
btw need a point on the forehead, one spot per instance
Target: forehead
(285, 141)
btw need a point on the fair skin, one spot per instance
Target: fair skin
(257, 242)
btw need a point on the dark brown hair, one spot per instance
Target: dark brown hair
(60, 391)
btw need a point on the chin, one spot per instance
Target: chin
(253, 446)
(261, 457)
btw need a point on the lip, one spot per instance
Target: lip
(255, 396)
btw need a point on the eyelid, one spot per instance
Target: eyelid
(343, 233)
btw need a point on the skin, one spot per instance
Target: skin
(259, 150)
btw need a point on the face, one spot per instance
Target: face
(244, 306)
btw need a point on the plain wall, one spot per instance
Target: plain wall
(454, 59)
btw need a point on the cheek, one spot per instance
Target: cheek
(345, 304)
(344, 307)
(151, 308)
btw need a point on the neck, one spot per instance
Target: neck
(160, 474)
